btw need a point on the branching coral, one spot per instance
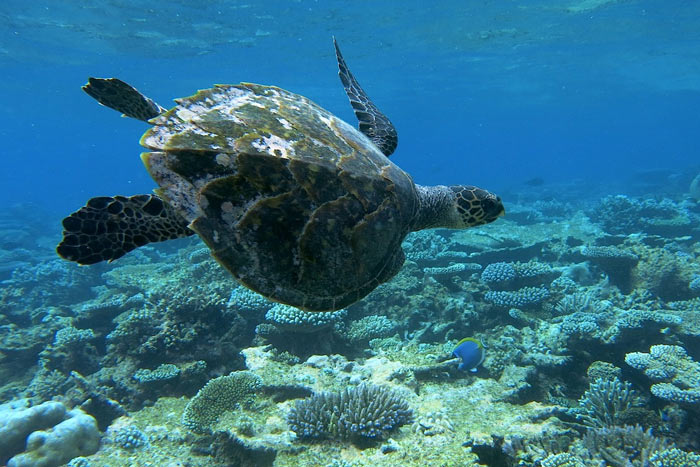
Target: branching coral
(217, 396)
(623, 446)
(365, 412)
(606, 401)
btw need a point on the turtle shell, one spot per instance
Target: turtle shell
(297, 204)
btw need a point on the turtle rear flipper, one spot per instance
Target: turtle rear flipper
(120, 96)
(108, 227)
(373, 123)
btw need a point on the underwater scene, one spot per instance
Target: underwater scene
(359, 233)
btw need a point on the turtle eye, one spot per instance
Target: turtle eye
(493, 207)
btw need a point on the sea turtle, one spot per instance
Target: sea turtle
(295, 203)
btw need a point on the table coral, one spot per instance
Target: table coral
(617, 263)
(675, 458)
(527, 296)
(677, 374)
(294, 319)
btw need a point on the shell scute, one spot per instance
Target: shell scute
(294, 202)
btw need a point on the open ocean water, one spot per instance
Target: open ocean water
(581, 306)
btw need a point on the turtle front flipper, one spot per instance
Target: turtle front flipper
(108, 227)
(373, 123)
(118, 95)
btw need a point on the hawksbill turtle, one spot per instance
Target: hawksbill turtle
(296, 204)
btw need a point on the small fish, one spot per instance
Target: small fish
(472, 353)
(535, 181)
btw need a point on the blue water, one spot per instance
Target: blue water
(553, 105)
(488, 93)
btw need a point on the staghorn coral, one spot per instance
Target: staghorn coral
(217, 396)
(677, 374)
(583, 302)
(361, 413)
(627, 446)
(605, 403)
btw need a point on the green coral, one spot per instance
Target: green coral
(677, 374)
(218, 396)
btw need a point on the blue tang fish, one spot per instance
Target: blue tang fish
(472, 353)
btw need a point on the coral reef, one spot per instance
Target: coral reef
(607, 403)
(45, 435)
(562, 460)
(524, 297)
(218, 396)
(560, 300)
(621, 214)
(129, 437)
(615, 262)
(621, 446)
(370, 327)
(361, 413)
(674, 458)
(293, 319)
(679, 374)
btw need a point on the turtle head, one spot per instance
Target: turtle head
(475, 206)
(456, 207)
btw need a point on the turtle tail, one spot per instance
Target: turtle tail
(108, 227)
(122, 97)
